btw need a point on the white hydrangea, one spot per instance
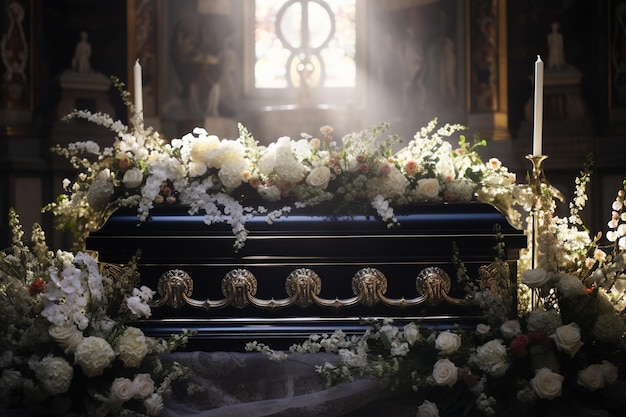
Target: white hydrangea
(491, 358)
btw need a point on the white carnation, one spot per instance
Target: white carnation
(132, 347)
(55, 374)
(93, 355)
(138, 306)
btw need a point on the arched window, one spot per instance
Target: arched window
(305, 47)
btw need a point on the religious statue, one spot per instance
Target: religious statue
(556, 58)
(80, 62)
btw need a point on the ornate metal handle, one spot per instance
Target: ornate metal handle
(303, 287)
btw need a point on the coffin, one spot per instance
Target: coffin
(306, 274)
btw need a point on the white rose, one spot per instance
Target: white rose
(67, 336)
(445, 372)
(510, 329)
(411, 333)
(536, 278)
(447, 342)
(567, 338)
(482, 328)
(122, 390)
(427, 409)
(143, 386)
(609, 372)
(154, 405)
(132, 347)
(591, 377)
(133, 178)
(319, 177)
(93, 355)
(547, 384)
(429, 188)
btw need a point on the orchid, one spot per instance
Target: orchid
(65, 333)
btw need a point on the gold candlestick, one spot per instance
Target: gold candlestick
(536, 180)
(538, 183)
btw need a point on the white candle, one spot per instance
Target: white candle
(138, 89)
(538, 116)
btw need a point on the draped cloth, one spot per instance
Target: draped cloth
(236, 384)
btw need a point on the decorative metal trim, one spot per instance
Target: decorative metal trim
(174, 287)
(303, 287)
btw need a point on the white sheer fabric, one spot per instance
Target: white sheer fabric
(252, 385)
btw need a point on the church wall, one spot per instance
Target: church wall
(585, 109)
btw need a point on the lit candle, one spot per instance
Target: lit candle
(138, 90)
(538, 107)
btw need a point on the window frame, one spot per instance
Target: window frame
(290, 95)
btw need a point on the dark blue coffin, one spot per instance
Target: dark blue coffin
(309, 274)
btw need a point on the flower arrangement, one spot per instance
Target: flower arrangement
(568, 342)
(568, 349)
(66, 339)
(230, 180)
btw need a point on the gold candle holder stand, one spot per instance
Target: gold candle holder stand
(536, 179)
(537, 182)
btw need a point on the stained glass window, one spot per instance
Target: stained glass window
(311, 40)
